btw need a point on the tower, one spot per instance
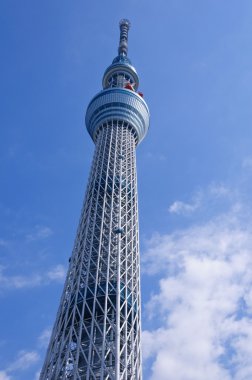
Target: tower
(97, 330)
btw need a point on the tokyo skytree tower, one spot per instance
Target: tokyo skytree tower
(97, 332)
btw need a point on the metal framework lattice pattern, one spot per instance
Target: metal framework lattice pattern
(97, 329)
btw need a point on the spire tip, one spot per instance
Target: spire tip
(124, 25)
(124, 21)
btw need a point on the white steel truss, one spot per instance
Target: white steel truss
(97, 330)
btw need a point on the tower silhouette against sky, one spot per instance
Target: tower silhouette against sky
(97, 332)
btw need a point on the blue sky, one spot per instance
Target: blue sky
(194, 175)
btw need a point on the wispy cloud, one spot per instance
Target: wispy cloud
(39, 233)
(23, 361)
(213, 192)
(247, 162)
(156, 156)
(56, 274)
(184, 208)
(44, 337)
(26, 359)
(4, 376)
(203, 309)
(3, 243)
(218, 190)
(179, 207)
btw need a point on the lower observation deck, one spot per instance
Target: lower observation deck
(118, 104)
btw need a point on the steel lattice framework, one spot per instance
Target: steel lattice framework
(97, 330)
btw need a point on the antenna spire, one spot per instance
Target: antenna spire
(124, 25)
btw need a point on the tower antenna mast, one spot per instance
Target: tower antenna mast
(123, 43)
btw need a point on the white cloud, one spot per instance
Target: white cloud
(18, 281)
(3, 243)
(247, 162)
(44, 337)
(4, 376)
(201, 198)
(179, 207)
(219, 190)
(155, 156)
(202, 311)
(39, 233)
(183, 208)
(56, 274)
(24, 360)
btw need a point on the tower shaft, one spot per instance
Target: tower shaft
(97, 330)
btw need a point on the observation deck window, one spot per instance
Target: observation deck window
(120, 79)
